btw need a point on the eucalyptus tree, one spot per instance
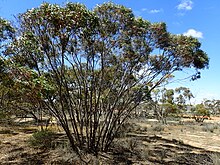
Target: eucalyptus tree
(6, 35)
(213, 106)
(216, 110)
(92, 68)
(184, 95)
(163, 104)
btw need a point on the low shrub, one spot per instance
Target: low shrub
(5, 118)
(42, 139)
(6, 131)
(132, 144)
(124, 129)
(158, 128)
(209, 127)
(128, 145)
(144, 154)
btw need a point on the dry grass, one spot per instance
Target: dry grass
(157, 127)
(215, 157)
(144, 142)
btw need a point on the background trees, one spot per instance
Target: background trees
(184, 95)
(213, 106)
(92, 68)
(170, 102)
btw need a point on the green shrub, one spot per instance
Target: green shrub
(42, 139)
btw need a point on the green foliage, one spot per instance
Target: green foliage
(213, 106)
(169, 102)
(201, 110)
(184, 95)
(170, 108)
(6, 31)
(167, 96)
(42, 139)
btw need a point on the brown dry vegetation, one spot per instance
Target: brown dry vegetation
(145, 142)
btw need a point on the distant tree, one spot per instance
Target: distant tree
(216, 107)
(201, 113)
(92, 68)
(184, 95)
(213, 106)
(154, 105)
(163, 104)
(167, 96)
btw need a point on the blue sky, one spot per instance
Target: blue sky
(199, 18)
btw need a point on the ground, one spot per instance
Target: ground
(147, 142)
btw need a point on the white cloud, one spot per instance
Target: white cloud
(140, 12)
(193, 33)
(185, 5)
(154, 11)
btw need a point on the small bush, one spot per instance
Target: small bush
(128, 144)
(5, 118)
(144, 154)
(124, 129)
(158, 128)
(42, 139)
(209, 128)
(132, 144)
